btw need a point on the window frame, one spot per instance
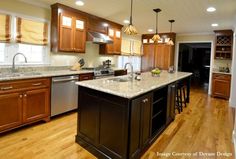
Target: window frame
(10, 52)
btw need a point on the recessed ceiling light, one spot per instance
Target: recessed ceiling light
(79, 3)
(150, 30)
(214, 25)
(126, 21)
(211, 9)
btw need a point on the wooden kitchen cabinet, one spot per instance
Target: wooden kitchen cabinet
(221, 85)
(115, 48)
(223, 44)
(23, 102)
(68, 30)
(86, 76)
(10, 110)
(140, 130)
(36, 105)
(147, 60)
(158, 55)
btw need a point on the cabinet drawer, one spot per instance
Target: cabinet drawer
(87, 76)
(221, 76)
(21, 85)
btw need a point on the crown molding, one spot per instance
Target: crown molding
(191, 34)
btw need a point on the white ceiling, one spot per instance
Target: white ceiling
(190, 15)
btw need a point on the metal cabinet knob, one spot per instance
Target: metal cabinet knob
(25, 95)
(21, 96)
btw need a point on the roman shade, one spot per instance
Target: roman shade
(5, 35)
(131, 47)
(31, 32)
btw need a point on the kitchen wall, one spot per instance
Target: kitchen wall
(232, 100)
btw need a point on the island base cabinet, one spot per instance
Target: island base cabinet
(11, 111)
(140, 126)
(103, 124)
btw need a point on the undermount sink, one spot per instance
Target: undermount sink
(17, 74)
(126, 79)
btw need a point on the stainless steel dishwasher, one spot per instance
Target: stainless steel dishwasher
(64, 94)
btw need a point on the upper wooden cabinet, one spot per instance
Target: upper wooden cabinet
(158, 55)
(223, 44)
(97, 24)
(115, 48)
(68, 30)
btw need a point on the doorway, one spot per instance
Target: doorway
(196, 58)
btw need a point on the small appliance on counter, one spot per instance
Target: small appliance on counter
(107, 64)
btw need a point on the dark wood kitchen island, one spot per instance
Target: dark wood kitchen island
(120, 118)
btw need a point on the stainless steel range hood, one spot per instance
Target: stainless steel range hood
(99, 38)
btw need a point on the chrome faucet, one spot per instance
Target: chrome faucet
(132, 70)
(13, 61)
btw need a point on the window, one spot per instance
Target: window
(24, 35)
(134, 60)
(2, 50)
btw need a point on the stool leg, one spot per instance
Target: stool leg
(177, 101)
(181, 106)
(185, 103)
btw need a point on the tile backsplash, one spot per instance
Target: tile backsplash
(222, 63)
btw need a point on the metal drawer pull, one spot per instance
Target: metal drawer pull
(21, 96)
(65, 80)
(6, 88)
(85, 78)
(36, 84)
(25, 95)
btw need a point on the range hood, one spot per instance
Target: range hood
(99, 38)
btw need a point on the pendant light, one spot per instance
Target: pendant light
(170, 42)
(156, 37)
(130, 29)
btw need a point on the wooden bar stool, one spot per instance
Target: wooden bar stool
(180, 96)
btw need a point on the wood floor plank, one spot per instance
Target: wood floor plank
(204, 126)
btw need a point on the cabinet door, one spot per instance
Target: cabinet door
(117, 42)
(140, 125)
(164, 56)
(221, 88)
(35, 105)
(111, 47)
(66, 33)
(148, 57)
(159, 56)
(11, 110)
(79, 35)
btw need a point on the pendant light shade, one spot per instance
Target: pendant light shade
(156, 37)
(170, 42)
(130, 29)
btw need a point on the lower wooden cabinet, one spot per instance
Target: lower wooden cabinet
(10, 110)
(221, 85)
(86, 76)
(23, 102)
(35, 105)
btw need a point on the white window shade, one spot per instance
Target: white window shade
(31, 32)
(5, 28)
(137, 48)
(125, 47)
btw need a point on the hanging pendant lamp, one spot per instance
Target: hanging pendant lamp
(156, 37)
(170, 42)
(130, 29)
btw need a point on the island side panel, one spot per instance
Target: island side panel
(106, 132)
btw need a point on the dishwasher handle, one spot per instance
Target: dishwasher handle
(65, 79)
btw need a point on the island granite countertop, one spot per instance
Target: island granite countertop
(131, 89)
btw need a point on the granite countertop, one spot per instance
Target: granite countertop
(225, 73)
(39, 74)
(131, 89)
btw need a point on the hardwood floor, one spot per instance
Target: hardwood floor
(204, 126)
